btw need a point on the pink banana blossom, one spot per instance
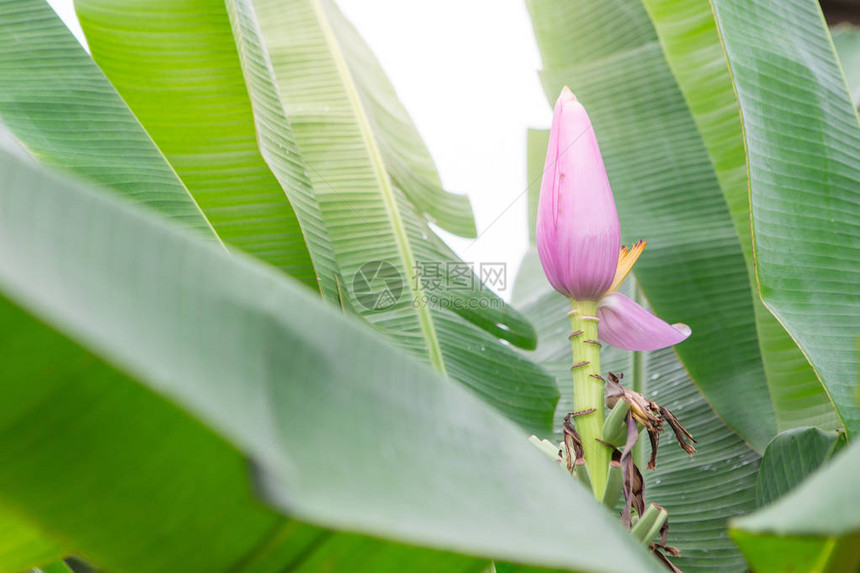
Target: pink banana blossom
(579, 236)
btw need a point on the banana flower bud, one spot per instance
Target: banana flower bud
(579, 236)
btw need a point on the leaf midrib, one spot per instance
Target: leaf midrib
(387, 192)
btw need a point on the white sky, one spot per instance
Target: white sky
(467, 72)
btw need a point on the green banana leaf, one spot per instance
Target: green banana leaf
(371, 216)
(499, 375)
(184, 82)
(802, 135)
(156, 364)
(22, 545)
(667, 193)
(371, 219)
(368, 224)
(691, 46)
(816, 527)
(59, 106)
(278, 148)
(790, 458)
(403, 151)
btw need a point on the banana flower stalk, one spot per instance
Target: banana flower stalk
(579, 245)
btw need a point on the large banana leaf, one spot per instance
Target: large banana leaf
(701, 493)
(62, 109)
(814, 528)
(175, 64)
(667, 193)
(366, 218)
(22, 545)
(802, 137)
(403, 151)
(155, 361)
(370, 219)
(135, 484)
(691, 45)
(790, 458)
(278, 148)
(370, 216)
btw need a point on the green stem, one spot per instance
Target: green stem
(638, 382)
(588, 391)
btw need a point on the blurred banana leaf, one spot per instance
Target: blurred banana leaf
(816, 527)
(157, 365)
(22, 545)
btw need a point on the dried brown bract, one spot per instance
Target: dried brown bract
(651, 415)
(574, 455)
(634, 485)
(681, 433)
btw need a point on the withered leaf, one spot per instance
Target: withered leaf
(681, 433)
(634, 485)
(651, 415)
(573, 445)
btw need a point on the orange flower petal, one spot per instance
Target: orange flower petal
(626, 260)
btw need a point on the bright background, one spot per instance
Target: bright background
(472, 89)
